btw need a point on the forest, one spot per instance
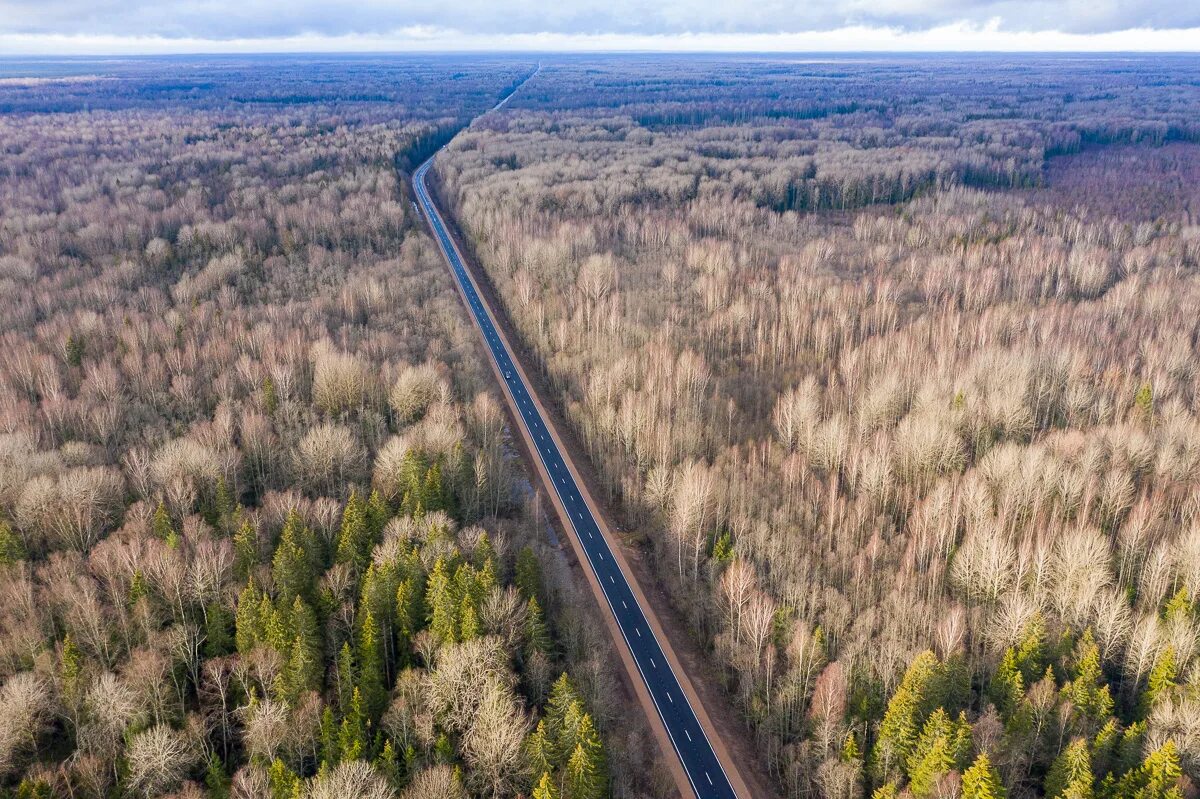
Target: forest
(263, 532)
(890, 366)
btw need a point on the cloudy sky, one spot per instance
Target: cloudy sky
(122, 26)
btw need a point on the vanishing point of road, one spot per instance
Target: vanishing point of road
(656, 669)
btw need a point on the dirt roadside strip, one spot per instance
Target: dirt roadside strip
(670, 636)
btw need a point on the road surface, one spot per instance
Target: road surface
(700, 763)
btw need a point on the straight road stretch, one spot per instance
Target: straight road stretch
(696, 754)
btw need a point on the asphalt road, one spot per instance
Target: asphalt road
(700, 762)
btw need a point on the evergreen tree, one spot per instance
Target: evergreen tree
(1161, 680)
(545, 788)
(943, 745)
(270, 397)
(354, 539)
(536, 633)
(528, 577)
(371, 677)
(468, 620)
(1031, 653)
(345, 676)
(886, 791)
(161, 524)
(248, 630)
(1070, 774)
(71, 669)
(245, 550)
(330, 755)
(901, 721)
(981, 781)
(352, 737)
(442, 603)
(12, 548)
(1087, 691)
(1007, 687)
(1104, 747)
(282, 780)
(378, 515)
(562, 697)
(217, 639)
(291, 568)
(584, 779)
(305, 665)
(215, 779)
(539, 749)
(1156, 778)
(388, 764)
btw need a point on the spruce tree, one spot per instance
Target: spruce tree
(248, 630)
(371, 677)
(902, 720)
(536, 633)
(354, 539)
(442, 603)
(1070, 774)
(1161, 680)
(528, 577)
(539, 749)
(245, 550)
(584, 779)
(981, 781)
(545, 788)
(291, 568)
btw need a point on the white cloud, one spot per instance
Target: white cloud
(959, 36)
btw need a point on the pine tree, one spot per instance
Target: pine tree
(378, 515)
(546, 789)
(1179, 606)
(981, 781)
(1104, 747)
(1031, 653)
(562, 697)
(1143, 401)
(886, 791)
(468, 620)
(1070, 774)
(305, 665)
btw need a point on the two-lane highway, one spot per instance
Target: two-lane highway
(699, 760)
